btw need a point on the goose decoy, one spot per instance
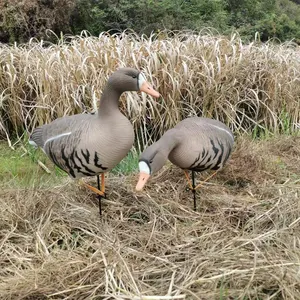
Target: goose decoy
(195, 144)
(92, 144)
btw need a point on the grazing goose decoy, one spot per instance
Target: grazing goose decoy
(195, 144)
(92, 144)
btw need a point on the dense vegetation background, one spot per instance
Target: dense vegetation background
(21, 20)
(243, 242)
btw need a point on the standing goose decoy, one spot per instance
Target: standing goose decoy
(92, 144)
(195, 144)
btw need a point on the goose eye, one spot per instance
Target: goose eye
(134, 76)
(151, 161)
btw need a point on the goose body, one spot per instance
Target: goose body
(92, 144)
(204, 144)
(195, 144)
(86, 145)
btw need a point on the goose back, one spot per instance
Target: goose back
(203, 144)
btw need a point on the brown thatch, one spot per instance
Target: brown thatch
(249, 87)
(243, 243)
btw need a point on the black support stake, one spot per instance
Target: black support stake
(99, 197)
(194, 191)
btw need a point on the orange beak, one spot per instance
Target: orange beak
(148, 89)
(142, 181)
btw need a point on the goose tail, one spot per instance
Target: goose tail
(36, 138)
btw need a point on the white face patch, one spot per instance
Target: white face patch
(144, 167)
(141, 80)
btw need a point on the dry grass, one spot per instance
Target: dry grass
(248, 87)
(243, 243)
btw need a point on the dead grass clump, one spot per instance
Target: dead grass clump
(253, 86)
(287, 152)
(241, 244)
(273, 159)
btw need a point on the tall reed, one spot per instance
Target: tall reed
(249, 87)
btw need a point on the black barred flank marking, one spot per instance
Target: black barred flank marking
(203, 159)
(89, 171)
(215, 149)
(197, 158)
(228, 151)
(195, 161)
(71, 164)
(72, 158)
(87, 174)
(209, 155)
(96, 160)
(202, 168)
(71, 171)
(86, 155)
(53, 157)
(198, 163)
(220, 160)
(216, 167)
(225, 153)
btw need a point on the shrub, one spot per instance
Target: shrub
(22, 20)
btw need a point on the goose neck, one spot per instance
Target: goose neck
(109, 101)
(169, 141)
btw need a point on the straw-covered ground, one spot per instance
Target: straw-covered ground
(242, 243)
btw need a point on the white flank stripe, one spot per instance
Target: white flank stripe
(56, 137)
(223, 130)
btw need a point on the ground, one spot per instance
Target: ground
(242, 243)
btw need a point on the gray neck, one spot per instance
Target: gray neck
(109, 101)
(168, 141)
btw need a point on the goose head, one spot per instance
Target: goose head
(151, 161)
(129, 79)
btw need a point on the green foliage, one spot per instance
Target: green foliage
(19, 168)
(147, 16)
(271, 19)
(128, 165)
(20, 21)
(88, 16)
(286, 122)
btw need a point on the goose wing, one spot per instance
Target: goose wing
(61, 140)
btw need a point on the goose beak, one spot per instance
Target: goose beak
(142, 181)
(148, 89)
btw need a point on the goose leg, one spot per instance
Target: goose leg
(188, 179)
(191, 185)
(209, 177)
(99, 192)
